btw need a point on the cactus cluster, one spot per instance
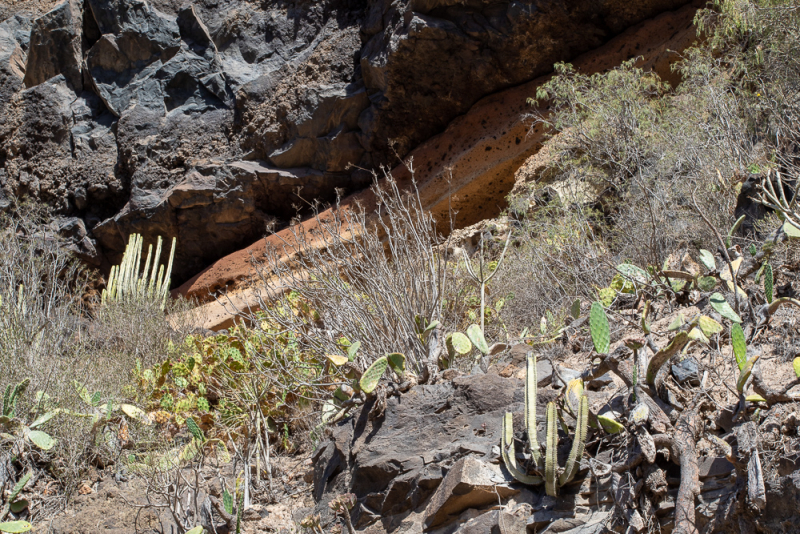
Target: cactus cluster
(367, 382)
(127, 283)
(554, 476)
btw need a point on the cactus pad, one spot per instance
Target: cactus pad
(337, 359)
(611, 426)
(706, 283)
(661, 357)
(194, 430)
(709, 326)
(722, 307)
(739, 345)
(397, 362)
(574, 395)
(457, 344)
(707, 259)
(796, 366)
(768, 282)
(476, 336)
(371, 377)
(575, 309)
(598, 325)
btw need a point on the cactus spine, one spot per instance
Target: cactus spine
(554, 477)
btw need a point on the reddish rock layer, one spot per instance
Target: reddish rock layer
(471, 166)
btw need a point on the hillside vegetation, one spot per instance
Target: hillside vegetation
(663, 233)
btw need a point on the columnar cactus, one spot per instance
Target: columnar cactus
(555, 477)
(127, 282)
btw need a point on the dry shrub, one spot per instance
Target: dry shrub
(368, 277)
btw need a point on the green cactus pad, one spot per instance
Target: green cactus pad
(677, 323)
(476, 336)
(791, 230)
(227, 501)
(194, 430)
(768, 282)
(41, 439)
(397, 362)
(709, 326)
(706, 283)
(19, 486)
(352, 350)
(610, 425)
(755, 398)
(707, 259)
(796, 366)
(722, 307)
(739, 345)
(372, 376)
(575, 309)
(15, 527)
(457, 343)
(598, 325)
(695, 334)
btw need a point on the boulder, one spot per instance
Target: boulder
(55, 46)
(470, 483)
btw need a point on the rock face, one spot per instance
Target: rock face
(474, 163)
(431, 464)
(113, 110)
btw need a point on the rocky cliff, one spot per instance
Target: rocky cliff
(209, 120)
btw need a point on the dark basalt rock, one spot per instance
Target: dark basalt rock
(106, 106)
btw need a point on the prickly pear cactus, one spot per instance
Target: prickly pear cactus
(739, 345)
(598, 325)
(457, 344)
(372, 376)
(397, 362)
(476, 336)
(722, 307)
(194, 430)
(768, 282)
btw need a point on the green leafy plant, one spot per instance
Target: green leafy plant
(598, 326)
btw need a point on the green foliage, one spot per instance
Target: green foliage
(476, 336)
(707, 259)
(768, 282)
(194, 430)
(722, 307)
(397, 362)
(14, 527)
(598, 326)
(372, 376)
(739, 345)
(457, 344)
(227, 501)
(575, 309)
